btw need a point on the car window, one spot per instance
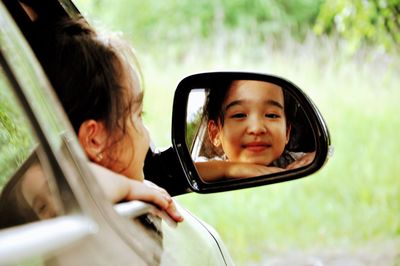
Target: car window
(15, 140)
(27, 191)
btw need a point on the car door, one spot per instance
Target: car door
(50, 214)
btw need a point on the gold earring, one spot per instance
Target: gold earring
(99, 157)
(216, 143)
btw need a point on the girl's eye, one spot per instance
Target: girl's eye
(238, 115)
(41, 208)
(272, 115)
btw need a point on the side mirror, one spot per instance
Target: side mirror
(235, 130)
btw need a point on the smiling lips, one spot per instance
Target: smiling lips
(257, 146)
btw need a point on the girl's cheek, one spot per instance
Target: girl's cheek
(147, 136)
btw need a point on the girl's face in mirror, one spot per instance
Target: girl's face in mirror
(254, 128)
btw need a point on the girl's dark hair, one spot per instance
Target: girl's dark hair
(213, 110)
(85, 70)
(14, 210)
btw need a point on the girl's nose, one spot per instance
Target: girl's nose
(256, 126)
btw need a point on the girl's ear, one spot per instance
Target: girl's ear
(288, 129)
(213, 133)
(92, 136)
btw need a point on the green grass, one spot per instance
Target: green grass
(354, 199)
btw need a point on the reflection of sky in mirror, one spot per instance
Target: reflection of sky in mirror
(195, 103)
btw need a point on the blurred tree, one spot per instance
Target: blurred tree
(182, 20)
(271, 17)
(375, 22)
(192, 127)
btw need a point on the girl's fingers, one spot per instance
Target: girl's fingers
(174, 213)
(157, 196)
(300, 162)
(169, 207)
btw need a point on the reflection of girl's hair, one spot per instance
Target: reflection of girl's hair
(212, 111)
(14, 210)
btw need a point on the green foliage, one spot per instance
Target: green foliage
(375, 22)
(156, 21)
(192, 127)
(15, 138)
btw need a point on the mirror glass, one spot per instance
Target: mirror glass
(246, 128)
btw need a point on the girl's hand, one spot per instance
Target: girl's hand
(303, 161)
(151, 193)
(120, 188)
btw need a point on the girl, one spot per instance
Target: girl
(249, 124)
(97, 81)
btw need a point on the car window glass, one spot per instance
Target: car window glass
(15, 140)
(26, 190)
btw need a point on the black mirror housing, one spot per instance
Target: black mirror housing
(183, 145)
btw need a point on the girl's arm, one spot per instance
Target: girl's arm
(215, 170)
(306, 159)
(119, 188)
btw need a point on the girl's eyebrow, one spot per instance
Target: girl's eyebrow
(268, 102)
(274, 103)
(233, 103)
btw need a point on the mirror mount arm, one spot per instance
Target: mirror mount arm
(163, 169)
